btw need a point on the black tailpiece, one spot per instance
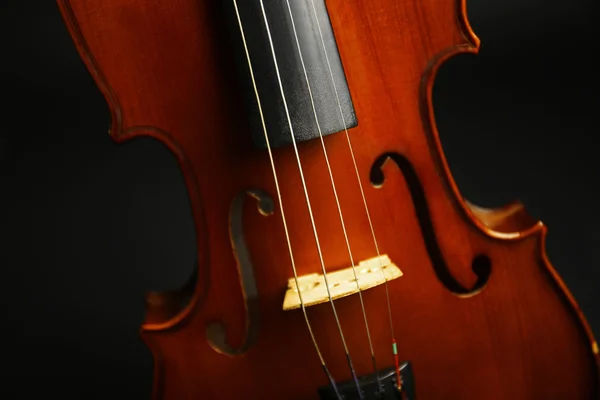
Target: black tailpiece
(370, 388)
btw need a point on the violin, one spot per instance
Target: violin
(337, 258)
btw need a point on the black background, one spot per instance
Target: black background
(88, 226)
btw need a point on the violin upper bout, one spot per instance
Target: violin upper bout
(467, 30)
(156, 73)
(454, 37)
(464, 38)
(433, 25)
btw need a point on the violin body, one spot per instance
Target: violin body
(478, 312)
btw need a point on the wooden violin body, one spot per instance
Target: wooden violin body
(478, 311)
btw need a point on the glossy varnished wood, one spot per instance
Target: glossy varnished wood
(165, 70)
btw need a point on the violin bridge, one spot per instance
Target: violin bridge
(369, 273)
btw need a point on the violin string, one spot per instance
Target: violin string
(364, 313)
(279, 197)
(387, 294)
(308, 203)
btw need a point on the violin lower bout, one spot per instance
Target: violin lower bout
(517, 338)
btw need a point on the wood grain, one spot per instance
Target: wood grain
(165, 71)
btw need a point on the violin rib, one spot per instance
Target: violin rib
(478, 313)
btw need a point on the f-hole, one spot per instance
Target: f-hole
(215, 332)
(481, 264)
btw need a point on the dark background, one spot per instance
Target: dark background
(88, 226)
